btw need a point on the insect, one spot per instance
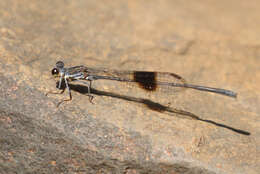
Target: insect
(146, 80)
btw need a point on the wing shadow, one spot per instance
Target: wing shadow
(154, 106)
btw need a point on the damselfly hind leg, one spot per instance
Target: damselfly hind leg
(91, 97)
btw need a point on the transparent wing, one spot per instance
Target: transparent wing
(156, 82)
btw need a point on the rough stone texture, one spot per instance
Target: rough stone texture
(213, 43)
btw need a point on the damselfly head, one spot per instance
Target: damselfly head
(58, 69)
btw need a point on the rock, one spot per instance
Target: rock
(211, 43)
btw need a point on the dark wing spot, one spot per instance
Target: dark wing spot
(146, 80)
(176, 76)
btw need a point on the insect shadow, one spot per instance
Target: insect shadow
(154, 106)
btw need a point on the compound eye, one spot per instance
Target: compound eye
(59, 64)
(55, 71)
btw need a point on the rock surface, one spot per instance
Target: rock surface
(212, 43)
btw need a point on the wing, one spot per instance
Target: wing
(146, 80)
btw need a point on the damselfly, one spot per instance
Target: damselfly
(146, 80)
